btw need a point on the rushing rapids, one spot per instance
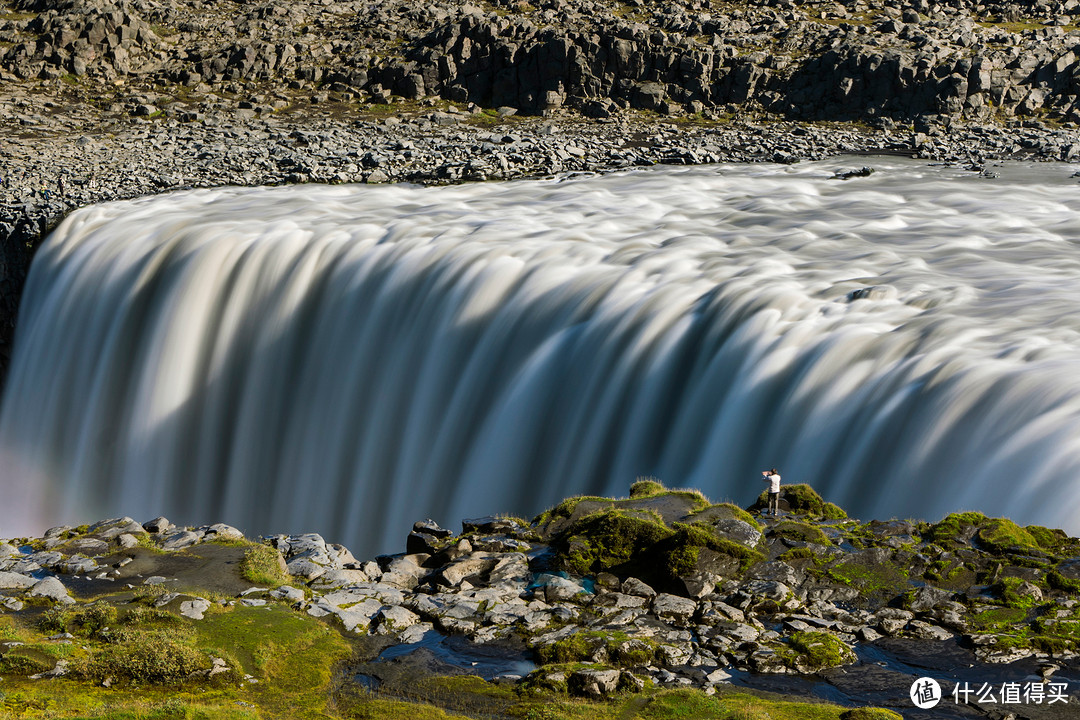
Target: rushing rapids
(348, 359)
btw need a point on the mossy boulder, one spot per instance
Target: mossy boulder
(810, 651)
(650, 501)
(955, 528)
(646, 487)
(682, 549)
(597, 646)
(802, 500)
(24, 661)
(800, 532)
(613, 541)
(875, 573)
(1001, 535)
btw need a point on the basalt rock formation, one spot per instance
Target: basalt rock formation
(804, 60)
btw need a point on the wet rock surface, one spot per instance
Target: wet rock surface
(856, 616)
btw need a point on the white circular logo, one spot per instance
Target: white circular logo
(925, 693)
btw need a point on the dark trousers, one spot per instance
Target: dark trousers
(774, 503)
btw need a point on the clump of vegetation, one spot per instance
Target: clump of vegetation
(143, 615)
(566, 508)
(997, 619)
(616, 648)
(952, 526)
(1001, 535)
(1011, 592)
(804, 500)
(646, 487)
(1059, 582)
(798, 553)
(24, 665)
(811, 650)
(802, 532)
(610, 541)
(144, 657)
(638, 543)
(262, 565)
(682, 548)
(86, 620)
(737, 704)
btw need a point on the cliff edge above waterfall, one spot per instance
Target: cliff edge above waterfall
(654, 605)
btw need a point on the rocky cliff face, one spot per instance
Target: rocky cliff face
(804, 60)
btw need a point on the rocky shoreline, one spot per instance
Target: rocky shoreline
(609, 597)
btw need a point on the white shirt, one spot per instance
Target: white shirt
(774, 483)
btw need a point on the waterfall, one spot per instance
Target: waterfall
(350, 359)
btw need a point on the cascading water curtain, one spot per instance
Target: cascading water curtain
(348, 360)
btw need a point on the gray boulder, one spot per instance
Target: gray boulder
(52, 589)
(593, 683)
(194, 608)
(10, 580)
(674, 609)
(180, 540)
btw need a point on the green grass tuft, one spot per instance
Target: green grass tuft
(646, 487)
(262, 565)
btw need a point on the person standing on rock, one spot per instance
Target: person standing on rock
(773, 478)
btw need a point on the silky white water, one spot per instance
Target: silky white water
(350, 359)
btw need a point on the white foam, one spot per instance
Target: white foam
(350, 359)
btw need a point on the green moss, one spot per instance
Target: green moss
(879, 581)
(1001, 535)
(1007, 589)
(950, 527)
(1050, 540)
(615, 647)
(470, 684)
(141, 615)
(683, 559)
(682, 548)
(997, 619)
(817, 650)
(566, 508)
(262, 565)
(609, 541)
(804, 500)
(1059, 582)
(19, 663)
(739, 514)
(646, 487)
(725, 705)
(799, 553)
(1055, 645)
(800, 531)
